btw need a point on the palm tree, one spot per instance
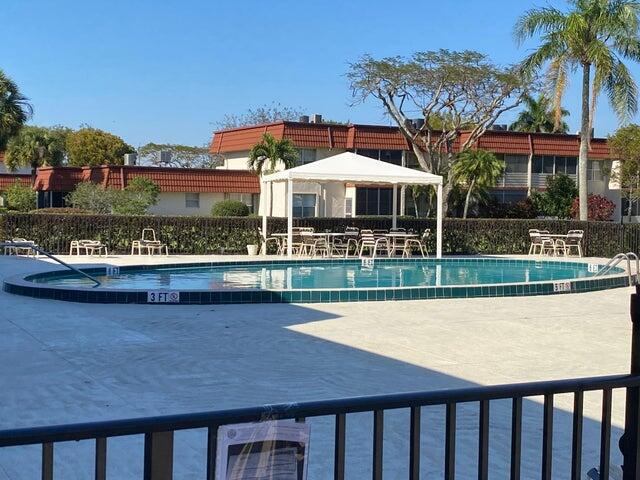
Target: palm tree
(593, 35)
(476, 170)
(15, 110)
(273, 151)
(539, 116)
(36, 147)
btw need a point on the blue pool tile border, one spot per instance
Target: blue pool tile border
(26, 287)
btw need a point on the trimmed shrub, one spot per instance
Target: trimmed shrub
(62, 211)
(207, 235)
(230, 208)
(20, 197)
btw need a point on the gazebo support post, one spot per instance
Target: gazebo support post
(263, 188)
(439, 223)
(394, 203)
(289, 218)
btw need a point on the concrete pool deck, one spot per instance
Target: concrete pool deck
(63, 362)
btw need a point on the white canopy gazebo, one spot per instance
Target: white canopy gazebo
(349, 167)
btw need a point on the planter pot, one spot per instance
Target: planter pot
(252, 249)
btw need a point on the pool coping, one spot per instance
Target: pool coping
(21, 285)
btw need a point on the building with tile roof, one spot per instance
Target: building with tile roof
(530, 159)
(183, 191)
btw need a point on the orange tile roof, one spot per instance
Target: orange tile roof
(168, 179)
(321, 135)
(7, 179)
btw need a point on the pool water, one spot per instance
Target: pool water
(350, 274)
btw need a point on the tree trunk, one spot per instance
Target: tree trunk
(585, 134)
(468, 198)
(415, 204)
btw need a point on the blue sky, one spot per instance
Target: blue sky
(166, 71)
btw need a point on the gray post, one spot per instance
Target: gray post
(629, 442)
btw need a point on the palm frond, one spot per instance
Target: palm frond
(537, 21)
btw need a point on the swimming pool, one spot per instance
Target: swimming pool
(333, 280)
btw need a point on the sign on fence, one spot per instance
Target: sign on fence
(163, 296)
(265, 450)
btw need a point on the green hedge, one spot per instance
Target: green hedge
(204, 235)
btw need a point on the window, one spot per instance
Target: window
(516, 163)
(374, 201)
(391, 156)
(366, 152)
(548, 164)
(192, 200)
(635, 207)
(348, 207)
(249, 199)
(508, 196)
(597, 170)
(304, 205)
(307, 155)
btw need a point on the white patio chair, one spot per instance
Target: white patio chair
(419, 243)
(369, 242)
(572, 242)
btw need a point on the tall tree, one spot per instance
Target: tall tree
(593, 36)
(92, 147)
(270, 113)
(539, 116)
(36, 147)
(183, 156)
(476, 170)
(15, 110)
(452, 91)
(269, 152)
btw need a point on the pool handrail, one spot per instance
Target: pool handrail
(41, 251)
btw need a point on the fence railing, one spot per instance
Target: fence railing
(159, 431)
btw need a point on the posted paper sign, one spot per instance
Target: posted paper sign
(274, 450)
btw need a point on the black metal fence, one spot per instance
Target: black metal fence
(208, 235)
(159, 431)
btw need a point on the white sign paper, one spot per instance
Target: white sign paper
(273, 450)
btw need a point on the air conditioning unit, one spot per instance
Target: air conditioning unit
(418, 123)
(130, 159)
(304, 119)
(164, 156)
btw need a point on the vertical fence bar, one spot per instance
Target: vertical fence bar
(414, 445)
(212, 447)
(339, 448)
(101, 459)
(47, 461)
(516, 437)
(605, 434)
(576, 442)
(547, 438)
(158, 456)
(483, 441)
(630, 441)
(450, 442)
(378, 435)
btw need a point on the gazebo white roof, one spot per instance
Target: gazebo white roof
(350, 167)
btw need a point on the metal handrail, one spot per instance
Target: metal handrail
(51, 256)
(136, 426)
(611, 264)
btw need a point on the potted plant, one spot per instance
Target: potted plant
(252, 249)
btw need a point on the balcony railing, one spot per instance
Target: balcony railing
(159, 431)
